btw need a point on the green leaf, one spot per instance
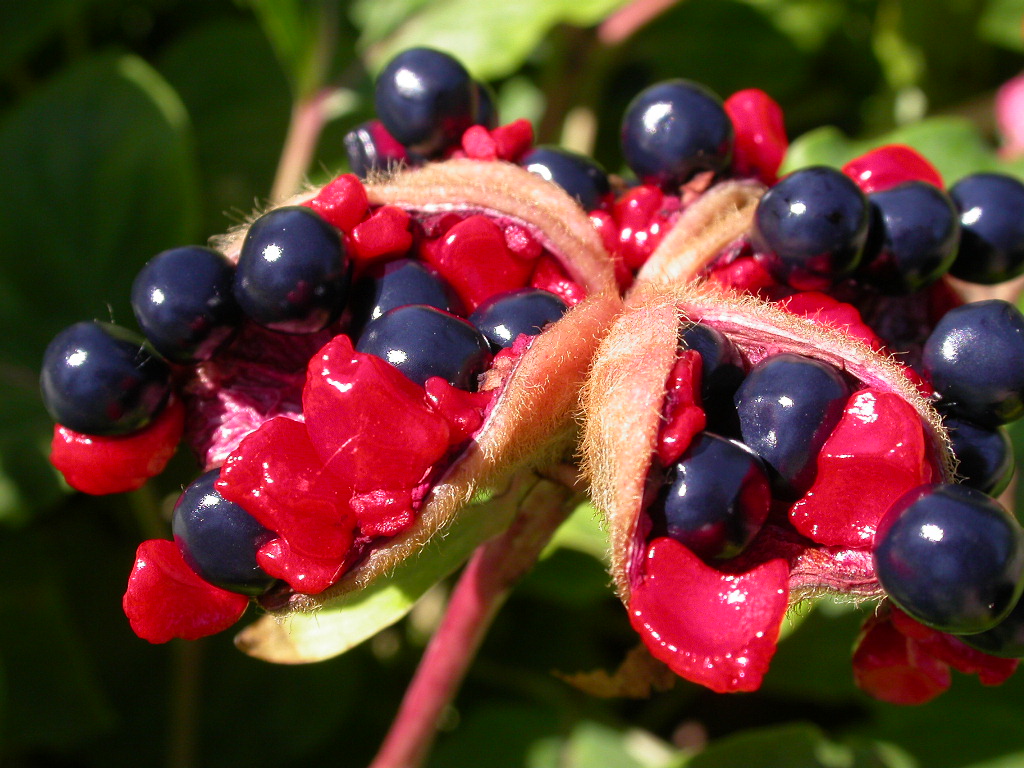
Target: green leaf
(56, 696)
(239, 115)
(801, 668)
(503, 734)
(807, 22)
(595, 744)
(967, 724)
(822, 146)
(796, 745)
(302, 34)
(1001, 23)
(953, 145)
(377, 19)
(700, 40)
(98, 176)
(1014, 760)
(492, 39)
(356, 616)
(583, 532)
(35, 22)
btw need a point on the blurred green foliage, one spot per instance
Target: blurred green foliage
(131, 126)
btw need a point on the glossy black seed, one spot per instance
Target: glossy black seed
(184, 302)
(371, 148)
(991, 209)
(395, 284)
(951, 557)
(424, 341)
(815, 221)
(721, 375)
(505, 316)
(293, 272)
(577, 174)
(974, 359)
(788, 405)
(715, 498)
(985, 455)
(674, 130)
(426, 99)
(218, 539)
(915, 232)
(100, 379)
(1005, 639)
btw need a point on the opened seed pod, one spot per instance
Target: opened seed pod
(360, 363)
(822, 434)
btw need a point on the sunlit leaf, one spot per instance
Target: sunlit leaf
(1001, 23)
(491, 39)
(953, 145)
(594, 744)
(582, 532)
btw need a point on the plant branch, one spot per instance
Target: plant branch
(309, 115)
(625, 22)
(484, 584)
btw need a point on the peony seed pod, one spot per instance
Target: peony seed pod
(351, 461)
(716, 622)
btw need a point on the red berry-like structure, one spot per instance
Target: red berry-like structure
(99, 465)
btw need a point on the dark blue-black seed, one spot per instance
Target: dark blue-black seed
(369, 149)
(426, 100)
(721, 375)
(715, 498)
(505, 316)
(985, 455)
(581, 177)
(951, 557)
(674, 130)
(218, 539)
(974, 358)
(185, 304)
(788, 405)
(815, 221)
(424, 341)
(292, 273)
(1005, 639)
(991, 207)
(100, 379)
(915, 232)
(395, 284)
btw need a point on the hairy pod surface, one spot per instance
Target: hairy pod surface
(625, 410)
(359, 511)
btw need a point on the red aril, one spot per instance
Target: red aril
(165, 599)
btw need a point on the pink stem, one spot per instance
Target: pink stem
(481, 589)
(307, 121)
(627, 20)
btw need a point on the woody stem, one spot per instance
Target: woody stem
(484, 584)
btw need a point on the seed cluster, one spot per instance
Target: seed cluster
(787, 427)
(327, 366)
